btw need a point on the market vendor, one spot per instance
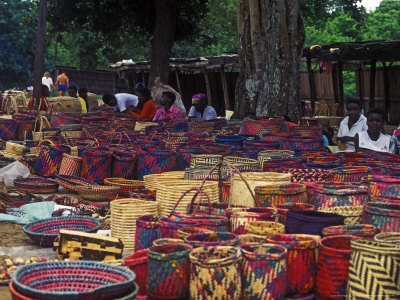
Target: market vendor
(354, 122)
(73, 92)
(121, 102)
(373, 138)
(201, 109)
(42, 103)
(168, 111)
(146, 108)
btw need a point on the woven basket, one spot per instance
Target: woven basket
(243, 164)
(384, 186)
(151, 181)
(147, 231)
(388, 237)
(202, 239)
(239, 219)
(170, 226)
(324, 198)
(126, 186)
(268, 154)
(309, 175)
(73, 280)
(167, 241)
(350, 174)
(373, 270)
(333, 266)
(241, 195)
(284, 208)
(250, 239)
(352, 214)
(45, 231)
(137, 262)
(124, 166)
(359, 230)
(264, 228)
(124, 213)
(272, 195)
(263, 271)
(71, 182)
(49, 158)
(97, 193)
(215, 273)
(70, 165)
(168, 271)
(96, 166)
(155, 162)
(300, 261)
(384, 216)
(205, 159)
(36, 185)
(185, 231)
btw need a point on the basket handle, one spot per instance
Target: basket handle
(198, 191)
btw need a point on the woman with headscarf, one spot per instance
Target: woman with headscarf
(201, 109)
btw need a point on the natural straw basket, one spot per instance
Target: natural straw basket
(205, 159)
(352, 214)
(151, 181)
(127, 186)
(250, 239)
(264, 228)
(124, 213)
(388, 237)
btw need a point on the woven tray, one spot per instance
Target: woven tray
(72, 182)
(126, 186)
(36, 185)
(97, 192)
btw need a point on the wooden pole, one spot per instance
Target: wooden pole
(208, 88)
(335, 88)
(341, 90)
(178, 82)
(39, 51)
(386, 84)
(225, 88)
(312, 84)
(372, 85)
(360, 83)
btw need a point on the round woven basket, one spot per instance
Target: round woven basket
(388, 237)
(251, 239)
(124, 213)
(167, 241)
(243, 163)
(203, 239)
(36, 185)
(151, 181)
(360, 230)
(185, 231)
(70, 165)
(205, 159)
(126, 186)
(71, 182)
(264, 228)
(352, 214)
(272, 195)
(97, 193)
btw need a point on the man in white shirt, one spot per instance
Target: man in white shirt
(354, 122)
(46, 80)
(121, 102)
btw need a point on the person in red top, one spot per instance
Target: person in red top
(146, 108)
(44, 105)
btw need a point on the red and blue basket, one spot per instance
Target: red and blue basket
(333, 266)
(285, 207)
(168, 271)
(337, 196)
(272, 195)
(302, 144)
(156, 162)
(360, 230)
(384, 216)
(124, 166)
(45, 231)
(169, 226)
(49, 159)
(96, 166)
(300, 261)
(137, 262)
(263, 271)
(384, 186)
(36, 185)
(202, 239)
(147, 231)
(73, 280)
(72, 183)
(350, 174)
(9, 129)
(308, 175)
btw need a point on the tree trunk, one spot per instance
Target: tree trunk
(39, 50)
(271, 37)
(163, 38)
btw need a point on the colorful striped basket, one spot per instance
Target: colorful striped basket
(168, 271)
(215, 273)
(70, 165)
(272, 195)
(359, 230)
(388, 237)
(127, 187)
(333, 266)
(300, 261)
(72, 182)
(169, 226)
(45, 231)
(147, 231)
(263, 271)
(36, 185)
(97, 193)
(332, 197)
(350, 174)
(137, 262)
(49, 159)
(124, 166)
(302, 144)
(373, 270)
(185, 231)
(264, 228)
(96, 166)
(156, 162)
(309, 175)
(384, 216)
(167, 241)
(202, 239)
(310, 222)
(284, 208)
(8, 129)
(239, 219)
(73, 280)
(384, 186)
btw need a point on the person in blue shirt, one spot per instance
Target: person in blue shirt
(201, 109)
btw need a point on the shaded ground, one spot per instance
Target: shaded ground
(11, 235)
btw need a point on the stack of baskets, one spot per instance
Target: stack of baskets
(151, 181)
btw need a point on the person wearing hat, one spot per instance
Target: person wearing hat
(201, 109)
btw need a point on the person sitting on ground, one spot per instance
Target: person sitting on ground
(373, 138)
(168, 111)
(83, 93)
(146, 108)
(62, 83)
(42, 103)
(354, 122)
(201, 109)
(73, 92)
(46, 80)
(121, 102)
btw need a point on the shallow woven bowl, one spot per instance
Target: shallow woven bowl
(36, 185)
(74, 280)
(45, 231)
(97, 192)
(72, 182)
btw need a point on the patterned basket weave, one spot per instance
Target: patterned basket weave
(384, 186)
(310, 222)
(300, 261)
(243, 164)
(126, 186)
(231, 140)
(202, 239)
(239, 219)
(36, 185)
(384, 216)
(124, 166)
(168, 271)
(250, 239)
(205, 159)
(156, 162)
(49, 159)
(359, 230)
(323, 198)
(147, 231)
(388, 237)
(137, 262)
(333, 266)
(71, 182)
(284, 208)
(70, 165)
(303, 144)
(263, 271)
(96, 166)
(272, 195)
(215, 273)
(45, 231)
(309, 175)
(97, 193)
(268, 154)
(264, 228)
(167, 241)
(352, 214)
(8, 129)
(73, 280)
(185, 231)
(350, 174)
(373, 270)
(261, 127)
(169, 226)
